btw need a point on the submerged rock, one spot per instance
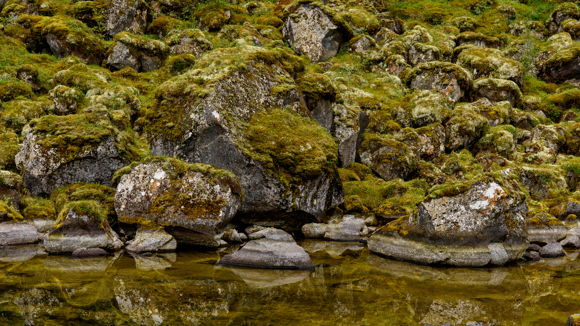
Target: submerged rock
(276, 250)
(167, 192)
(151, 240)
(483, 225)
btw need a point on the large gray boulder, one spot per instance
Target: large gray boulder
(169, 193)
(389, 158)
(222, 113)
(480, 226)
(81, 232)
(272, 251)
(14, 233)
(312, 32)
(61, 150)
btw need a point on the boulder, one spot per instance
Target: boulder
(191, 41)
(573, 320)
(497, 90)
(10, 188)
(137, 52)
(227, 114)
(349, 229)
(571, 241)
(66, 99)
(13, 233)
(544, 228)
(447, 79)
(485, 62)
(562, 66)
(552, 250)
(531, 255)
(482, 225)
(562, 12)
(464, 128)
(527, 27)
(419, 109)
(310, 31)
(81, 231)
(147, 240)
(273, 251)
(271, 234)
(61, 150)
(127, 15)
(346, 129)
(387, 157)
(362, 44)
(164, 192)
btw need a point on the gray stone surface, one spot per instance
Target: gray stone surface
(571, 241)
(531, 255)
(122, 57)
(80, 232)
(14, 233)
(152, 240)
(267, 253)
(546, 234)
(552, 250)
(92, 252)
(469, 229)
(271, 234)
(126, 15)
(311, 32)
(350, 228)
(346, 129)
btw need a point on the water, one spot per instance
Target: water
(350, 286)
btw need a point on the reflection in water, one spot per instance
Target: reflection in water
(349, 286)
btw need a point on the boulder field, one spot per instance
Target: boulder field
(448, 135)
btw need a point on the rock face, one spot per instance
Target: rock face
(349, 229)
(126, 15)
(275, 251)
(389, 158)
(80, 232)
(152, 240)
(168, 192)
(17, 234)
(137, 52)
(482, 226)
(562, 66)
(98, 150)
(311, 32)
(543, 228)
(225, 125)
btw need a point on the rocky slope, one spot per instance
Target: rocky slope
(451, 128)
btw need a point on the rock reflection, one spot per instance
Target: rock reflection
(264, 278)
(154, 262)
(17, 254)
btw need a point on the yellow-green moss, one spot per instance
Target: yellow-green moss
(33, 208)
(9, 147)
(8, 213)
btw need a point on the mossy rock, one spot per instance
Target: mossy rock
(9, 147)
(446, 78)
(83, 77)
(464, 128)
(12, 88)
(499, 139)
(197, 197)
(135, 51)
(18, 113)
(478, 39)
(94, 200)
(8, 213)
(533, 28)
(61, 150)
(188, 41)
(38, 208)
(387, 157)
(465, 24)
(484, 62)
(497, 90)
(562, 66)
(562, 12)
(420, 109)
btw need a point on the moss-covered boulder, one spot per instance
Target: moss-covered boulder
(562, 66)
(346, 129)
(484, 62)
(127, 15)
(464, 128)
(60, 150)
(66, 100)
(562, 12)
(499, 140)
(527, 27)
(387, 157)
(9, 147)
(544, 228)
(497, 90)
(445, 78)
(312, 32)
(164, 192)
(420, 109)
(137, 52)
(478, 39)
(227, 111)
(482, 225)
(10, 188)
(188, 41)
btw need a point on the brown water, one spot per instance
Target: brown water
(350, 286)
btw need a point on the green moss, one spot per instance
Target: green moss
(369, 196)
(37, 208)
(543, 219)
(8, 213)
(9, 147)
(83, 77)
(178, 64)
(288, 143)
(18, 113)
(95, 201)
(315, 86)
(12, 88)
(485, 62)
(499, 139)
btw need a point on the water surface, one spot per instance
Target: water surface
(350, 286)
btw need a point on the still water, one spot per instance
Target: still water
(350, 286)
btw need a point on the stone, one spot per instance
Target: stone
(232, 236)
(17, 234)
(562, 12)
(349, 228)
(531, 255)
(137, 52)
(92, 252)
(346, 129)
(573, 320)
(311, 32)
(543, 228)
(10, 188)
(464, 128)
(271, 234)
(486, 62)
(121, 57)
(188, 41)
(572, 241)
(562, 66)
(99, 152)
(151, 240)
(126, 15)
(267, 253)
(167, 192)
(81, 232)
(534, 247)
(497, 90)
(362, 44)
(468, 229)
(387, 157)
(66, 99)
(552, 250)
(445, 78)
